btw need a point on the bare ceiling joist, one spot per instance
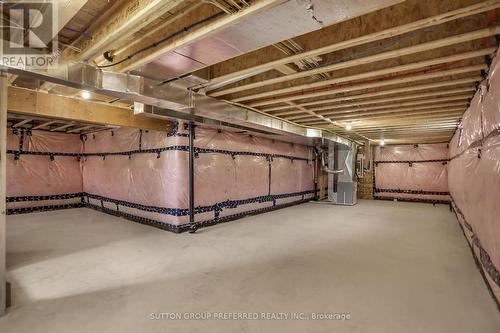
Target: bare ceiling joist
(440, 84)
(60, 128)
(209, 29)
(380, 57)
(364, 110)
(45, 124)
(22, 122)
(452, 112)
(424, 96)
(123, 23)
(79, 129)
(371, 74)
(370, 85)
(380, 35)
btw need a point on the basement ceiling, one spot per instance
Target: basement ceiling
(401, 71)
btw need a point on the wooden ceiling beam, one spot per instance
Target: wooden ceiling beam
(376, 84)
(376, 36)
(386, 106)
(45, 124)
(409, 114)
(205, 31)
(371, 74)
(376, 58)
(437, 124)
(444, 115)
(81, 128)
(407, 130)
(414, 135)
(398, 91)
(60, 128)
(38, 104)
(22, 122)
(382, 123)
(407, 110)
(127, 20)
(416, 97)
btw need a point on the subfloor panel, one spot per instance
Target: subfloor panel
(393, 267)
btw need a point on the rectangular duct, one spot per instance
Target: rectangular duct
(342, 185)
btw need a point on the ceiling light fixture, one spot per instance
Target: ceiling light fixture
(85, 94)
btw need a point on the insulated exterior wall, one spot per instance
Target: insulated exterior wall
(474, 175)
(234, 174)
(412, 172)
(36, 180)
(143, 175)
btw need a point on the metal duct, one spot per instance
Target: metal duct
(342, 187)
(174, 101)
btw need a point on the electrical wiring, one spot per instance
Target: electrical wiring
(165, 39)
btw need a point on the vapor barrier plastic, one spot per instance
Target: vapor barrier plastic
(161, 180)
(412, 172)
(474, 175)
(143, 175)
(31, 175)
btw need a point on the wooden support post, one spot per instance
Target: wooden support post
(3, 182)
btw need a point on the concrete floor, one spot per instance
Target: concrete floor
(394, 267)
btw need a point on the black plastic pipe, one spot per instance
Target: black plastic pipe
(191, 172)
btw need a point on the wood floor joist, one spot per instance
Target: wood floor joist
(370, 59)
(206, 31)
(427, 124)
(434, 86)
(441, 110)
(451, 114)
(416, 97)
(371, 74)
(376, 36)
(384, 107)
(364, 114)
(370, 85)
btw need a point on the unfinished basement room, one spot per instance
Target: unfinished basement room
(250, 166)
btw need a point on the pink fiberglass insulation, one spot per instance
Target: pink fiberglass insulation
(41, 180)
(143, 175)
(473, 175)
(412, 172)
(229, 167)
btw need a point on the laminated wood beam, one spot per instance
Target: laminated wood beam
(32, 103)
